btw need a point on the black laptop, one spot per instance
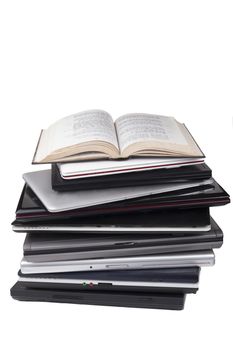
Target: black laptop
(135, 178)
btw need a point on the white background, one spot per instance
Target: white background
(165, 57)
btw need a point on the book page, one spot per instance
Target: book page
(77, 128)
(140, 127)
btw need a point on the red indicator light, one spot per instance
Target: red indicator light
(91, 284)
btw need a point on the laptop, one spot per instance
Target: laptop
(31, 209)
(170, 301)
(54, 202)
(186, 220)
(73, 182)
(181, 259)
(110, 167)
(170, 280)
(47, 246)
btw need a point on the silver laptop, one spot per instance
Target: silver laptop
(184, 259)
(32, 227)
(40, 183)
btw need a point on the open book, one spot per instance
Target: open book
(93, 135)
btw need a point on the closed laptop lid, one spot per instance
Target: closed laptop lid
(40, 183)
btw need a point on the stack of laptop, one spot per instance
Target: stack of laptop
(133, 232)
